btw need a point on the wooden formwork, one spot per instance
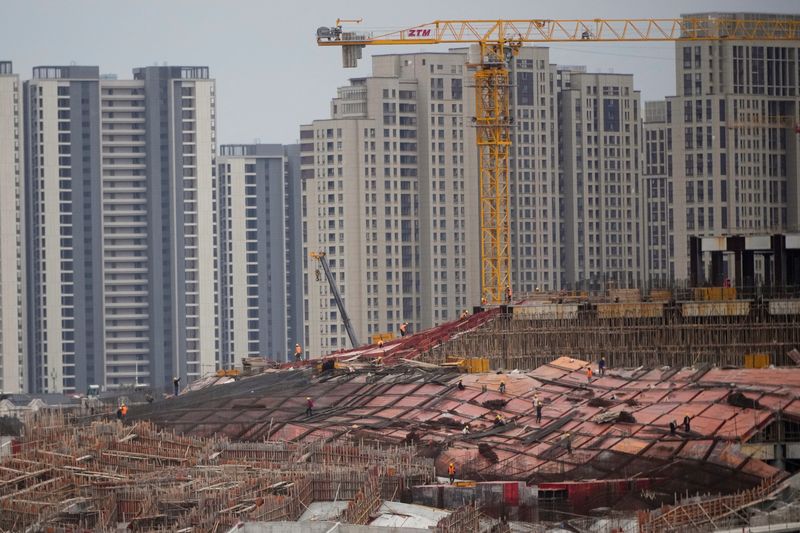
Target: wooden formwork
(466, 518)
(670, 338)
(365, 502)
(702, 512)
(92, 476)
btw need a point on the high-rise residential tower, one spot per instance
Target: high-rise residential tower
(733, 142)
(261, 247)
(390, 195)
(12, 248)
(600, 128)
(659, 245)
(122, 227)
(537, 228)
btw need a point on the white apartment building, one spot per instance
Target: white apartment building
(733, 141)
(122, 227)
(390, 193)
(600, 128)
(260, 257)
(537, 248)
(12, 249)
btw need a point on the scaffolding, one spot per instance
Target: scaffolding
(69, 477)
(629, 335)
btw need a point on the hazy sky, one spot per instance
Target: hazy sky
(271, 76)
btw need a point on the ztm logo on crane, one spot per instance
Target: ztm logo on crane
(419, 33)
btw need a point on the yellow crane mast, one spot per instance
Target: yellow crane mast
(499, 40)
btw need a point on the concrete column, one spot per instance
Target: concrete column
(717, 269)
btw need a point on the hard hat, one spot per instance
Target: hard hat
(308, 397)
(298, 344)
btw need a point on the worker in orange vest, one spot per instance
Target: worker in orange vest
(298, 353)
(123, 410)
(589, 374)
(451, 471)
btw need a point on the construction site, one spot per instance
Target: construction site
(620, 410)
(610, 449)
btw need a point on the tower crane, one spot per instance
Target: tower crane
(499, 40)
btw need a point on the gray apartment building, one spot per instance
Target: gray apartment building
(260, 251)
(12, 247)
(657, 196)
(731, 150)
(390, 193)
(122, 227)
(600, 131)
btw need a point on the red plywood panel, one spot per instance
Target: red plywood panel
(772, 402)
(651, 396)
(391, 413)
(631, 446)
(744, 424)
(695, 449)
(608, 382)
(664, 449)
(711, 395)
(410, 401)
(703, 425)
(793, 409)
(519, 406)
(381, 401)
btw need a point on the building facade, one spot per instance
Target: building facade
(260, 258)
(733, 141)
(390, 193)
(122, 244)
(537, 225)
(600, 129)
(659, 243)
(12, 248)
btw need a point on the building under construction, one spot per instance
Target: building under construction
(665, 419)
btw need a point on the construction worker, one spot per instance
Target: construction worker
(589, 374)
(508, 294)
(538, 405)
(672, 427)
(461, 385)
(465, 431)
(451, 471)
(298, 353)
(309, 406)
(380, 343)
(568, 443)
(601, 366)
(484, 301)
(687, 423)
(123, 410)
(464, 314)
(502, 387)
(403, 329)
(119, 413)
(499, 420)
(176, 384)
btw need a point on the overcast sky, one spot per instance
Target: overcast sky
(271, 76)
